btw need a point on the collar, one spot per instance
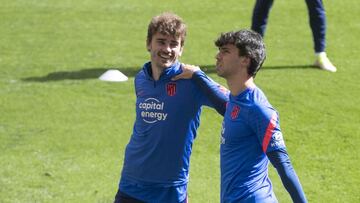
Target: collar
(169, 72)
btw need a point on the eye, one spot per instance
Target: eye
(174, 44)
(161, 42)
(223, 51)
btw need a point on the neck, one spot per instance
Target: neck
(156, 72)
(238, 84)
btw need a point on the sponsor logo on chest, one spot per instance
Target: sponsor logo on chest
(152, 110)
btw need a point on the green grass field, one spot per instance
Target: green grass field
(63, 131)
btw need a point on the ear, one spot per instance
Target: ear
(148, 46)
(245, 61)
(181, 50)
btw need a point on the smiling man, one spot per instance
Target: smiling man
(157, 158)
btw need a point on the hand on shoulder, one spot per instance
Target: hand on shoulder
(187, 72)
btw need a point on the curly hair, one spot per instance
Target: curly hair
(167, 24)
(249, 44)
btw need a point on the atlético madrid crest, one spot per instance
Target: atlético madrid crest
(171, 89)
(235, 112)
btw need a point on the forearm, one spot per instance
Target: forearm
(213, 91)
(280, 160)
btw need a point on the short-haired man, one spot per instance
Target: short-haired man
(156, 163)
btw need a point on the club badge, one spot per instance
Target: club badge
(171, 89)
(235, 112)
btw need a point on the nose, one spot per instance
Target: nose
(217, 56)
(167, 48)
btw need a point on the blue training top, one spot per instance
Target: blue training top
(250, 130)
(276, 153)
(167, 117)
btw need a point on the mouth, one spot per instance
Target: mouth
(165, 56)
(217, 67)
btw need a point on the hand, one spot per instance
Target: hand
(188, 71)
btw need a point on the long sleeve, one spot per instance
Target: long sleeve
(280, 160)
(215, 93)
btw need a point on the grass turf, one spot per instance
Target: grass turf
(63, 132)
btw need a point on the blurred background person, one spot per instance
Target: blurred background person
(317, 19)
